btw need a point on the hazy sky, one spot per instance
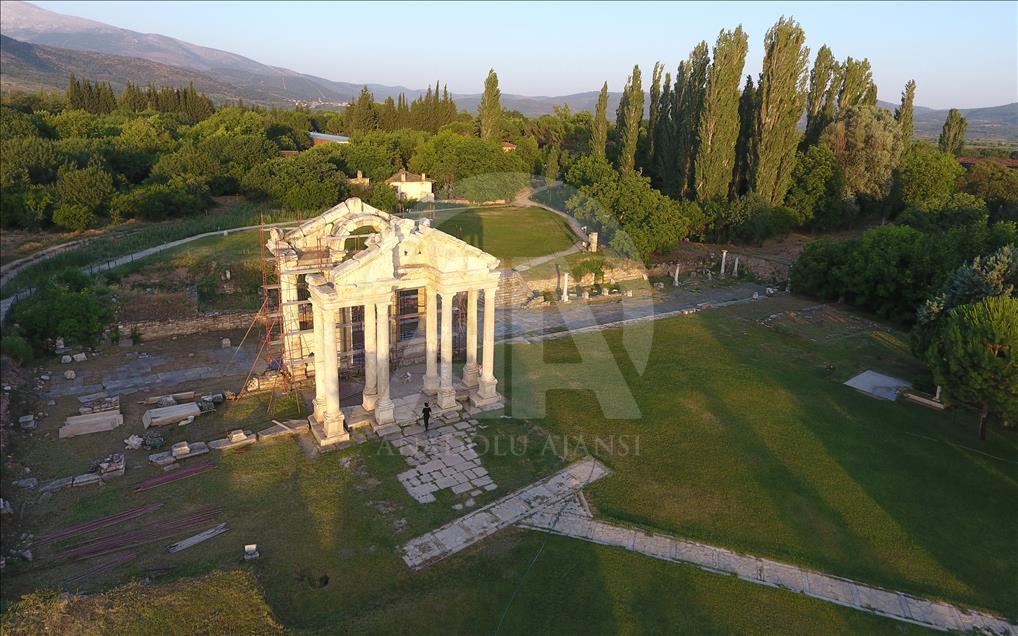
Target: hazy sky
(961, 54)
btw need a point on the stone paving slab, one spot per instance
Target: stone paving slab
(937, 615)
(485, 521)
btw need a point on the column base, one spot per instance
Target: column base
(327, 437)
(447, 398)
(470, 374)
(385, 411)
(369, 400)
(318, 409)
(431, 383)
(485, 395)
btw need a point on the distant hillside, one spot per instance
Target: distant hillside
(100, 51)
(31, 67)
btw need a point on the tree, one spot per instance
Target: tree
(815, 194)
(820, 80)
(995, 184)
(857, 87)
(599, 129)
(655, 110)
(975, 358)
(551, 167)
(689, 96)
(87, 188)
(362, 115)
(904, 114)
(630, 113)
(926, 179)
(782, 100)
(745, 145)
(490, 110)
(984, 277)
(719, 117)
(866, 143)
(952, 137)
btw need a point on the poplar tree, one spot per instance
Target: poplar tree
(719, 118)
(904, 114)
(857, 88)
(629, 115)
(820, 79)
(663, 133)
(687, 115)
(599, 128)
(782, 100)
(745, 147)
(655, 109)
(952, 137)
(490, 110)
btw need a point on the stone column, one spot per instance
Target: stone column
(735, 268)
(486, 394)
(290, 315)
(333, 423)
(724, 256)
(565, 290)
(370, 360)
(384, 411)
(446, 391)
(593, 241)
(319, 342)
(431, 342)
(470, 368)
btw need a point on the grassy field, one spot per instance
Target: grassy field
(512, 234)
(749, 440)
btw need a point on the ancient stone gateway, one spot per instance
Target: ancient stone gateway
(346, 270)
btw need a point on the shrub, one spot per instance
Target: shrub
(17, 347)
(74, 217)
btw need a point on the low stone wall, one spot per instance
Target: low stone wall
(204, 323)
(611, 275)
(762, 268)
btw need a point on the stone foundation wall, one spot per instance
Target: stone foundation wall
(762, 268)
(611, 275)
(205, 323)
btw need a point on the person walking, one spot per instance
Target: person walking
(426, 414)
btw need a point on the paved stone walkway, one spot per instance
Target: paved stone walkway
(483, 522)
(572, 519)
(443, 457)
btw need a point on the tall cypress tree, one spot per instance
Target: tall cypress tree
(719, 117)
(952, 137)
(75, 98)
(782, 100)
(904, 115)
(690, 95)
(745, 147)
(490, 110)
(629, 115)
(820, 79)
(599, 128)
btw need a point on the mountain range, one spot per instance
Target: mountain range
(40, 48)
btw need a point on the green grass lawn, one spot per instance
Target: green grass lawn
(512, 234)
(749, 440)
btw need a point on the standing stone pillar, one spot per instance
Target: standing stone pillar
(289, 315)
(486, 394)
(370, 360)
(593, 241)
(431, 342)
(470, 368)
(446, 390)
(735, 268)
(319, 343)
(565, 289)
(384, 411)
(724, 256)
(675, 277)
(333, 423)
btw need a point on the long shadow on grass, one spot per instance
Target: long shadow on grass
(937, 512)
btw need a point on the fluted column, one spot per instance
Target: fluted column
(431, 342)
(319, 344)
(470, 368)
(370, 360)
(383, 405)
(290, 316)
(486, 386)
(333, 423)
(446, 391)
